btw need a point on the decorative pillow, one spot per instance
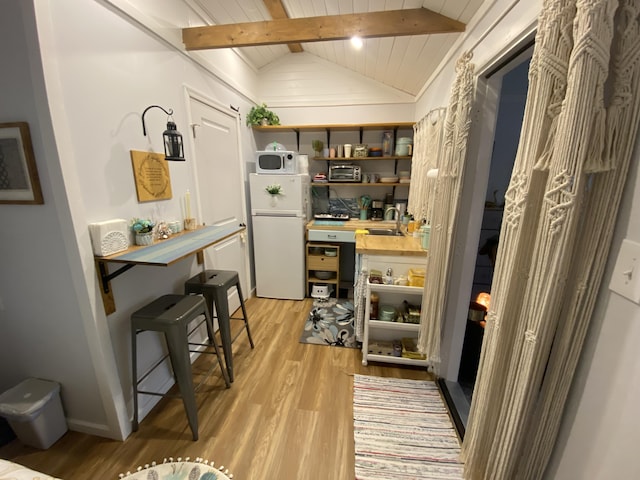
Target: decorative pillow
(199, 469)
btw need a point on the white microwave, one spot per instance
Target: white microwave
(276, 162)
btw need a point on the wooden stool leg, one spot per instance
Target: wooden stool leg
(178, 345)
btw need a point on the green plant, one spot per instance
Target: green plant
(142, 225)
(258, 113)
(317, 146)
(274, 189)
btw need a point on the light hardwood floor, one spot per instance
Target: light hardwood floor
(288, 415)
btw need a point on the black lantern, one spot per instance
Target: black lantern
(172, 138)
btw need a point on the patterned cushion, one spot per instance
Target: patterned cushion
(179, 470)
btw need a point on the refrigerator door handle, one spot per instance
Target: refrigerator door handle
(275, 214)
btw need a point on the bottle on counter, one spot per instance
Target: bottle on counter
(388, 278)
(425, 235)
(375, 303)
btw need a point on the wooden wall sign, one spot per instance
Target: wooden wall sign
(151, 173)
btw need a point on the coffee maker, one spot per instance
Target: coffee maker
(377, 212)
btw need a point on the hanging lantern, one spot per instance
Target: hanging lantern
(173, 149)
(172, 138)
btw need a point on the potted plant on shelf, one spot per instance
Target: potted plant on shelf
(261, 115)
(143, 230)
(317, 146)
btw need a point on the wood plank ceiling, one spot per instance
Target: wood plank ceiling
(404, 62)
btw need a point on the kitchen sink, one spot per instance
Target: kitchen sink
(385, 231)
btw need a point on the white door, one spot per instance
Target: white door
(220, 195)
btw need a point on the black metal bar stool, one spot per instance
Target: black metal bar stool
(171, 315)
(214, 285)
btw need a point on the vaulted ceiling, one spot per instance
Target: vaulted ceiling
(404, 62)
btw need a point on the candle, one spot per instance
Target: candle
(187, 203)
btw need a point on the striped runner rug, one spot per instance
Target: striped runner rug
(402, 430)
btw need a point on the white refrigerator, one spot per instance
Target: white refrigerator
(279, 221)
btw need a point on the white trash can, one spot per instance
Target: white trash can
(34, 412)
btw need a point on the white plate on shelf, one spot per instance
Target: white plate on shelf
(388, 179)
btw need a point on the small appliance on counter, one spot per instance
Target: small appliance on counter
(345, 173)
(276, 160)
(331, 216)
(377, 212)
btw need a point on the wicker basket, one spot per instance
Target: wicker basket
(360, 151)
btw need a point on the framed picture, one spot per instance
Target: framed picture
(19, 182)
(151, 173)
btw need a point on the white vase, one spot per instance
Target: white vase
(144, 238)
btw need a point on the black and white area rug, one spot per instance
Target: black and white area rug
(330, 323)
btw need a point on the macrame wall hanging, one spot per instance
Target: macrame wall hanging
(427, 139)
(443, 193)
(560, 209)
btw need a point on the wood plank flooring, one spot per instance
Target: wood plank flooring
(288, 415)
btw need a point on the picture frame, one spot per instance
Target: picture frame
(19, 181)
(152, 177)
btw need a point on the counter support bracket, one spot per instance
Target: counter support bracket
(107, 277)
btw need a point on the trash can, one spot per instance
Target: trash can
(34, 412)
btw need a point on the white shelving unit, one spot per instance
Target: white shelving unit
(379, 330)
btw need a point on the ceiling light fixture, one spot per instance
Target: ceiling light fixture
(356, 41)
(172, 138)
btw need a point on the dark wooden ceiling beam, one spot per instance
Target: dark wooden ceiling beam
(277, 12)
(390, 23)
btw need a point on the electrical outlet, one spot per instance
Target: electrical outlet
(625, 280)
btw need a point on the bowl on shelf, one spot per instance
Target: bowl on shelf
(323, 275)
(388, 179)
(330, 252)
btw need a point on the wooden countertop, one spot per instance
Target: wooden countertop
(374, 244)
(388, 245)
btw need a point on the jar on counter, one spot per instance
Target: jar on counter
(375, 303)
(425, 235)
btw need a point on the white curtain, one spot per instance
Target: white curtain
(580, 124)
(443, 207)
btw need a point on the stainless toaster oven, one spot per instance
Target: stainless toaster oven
(345, 173)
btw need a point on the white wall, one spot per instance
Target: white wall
(599, 434)
(43, 300)
(99, 74)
